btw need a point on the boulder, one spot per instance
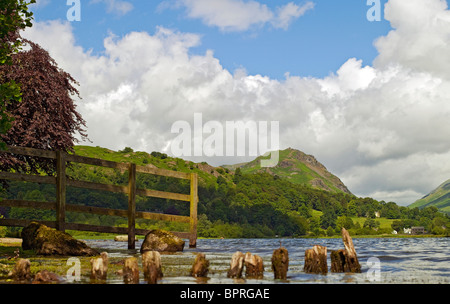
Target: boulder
(162, 241)
(48, 241)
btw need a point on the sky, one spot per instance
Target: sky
(370, 99)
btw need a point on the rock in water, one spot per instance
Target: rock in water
(236, 265)
(280, 263)
(162, 241)
(48, 241)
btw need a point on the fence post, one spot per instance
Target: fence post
(193, 211)
(60, 190)
(131, 206)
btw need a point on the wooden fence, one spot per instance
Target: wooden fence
(60, 206)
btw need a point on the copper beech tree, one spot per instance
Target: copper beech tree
(46, 118)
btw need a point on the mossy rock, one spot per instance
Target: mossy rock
(48, 241)
(162, 241)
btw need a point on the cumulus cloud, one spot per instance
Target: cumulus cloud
(383, 129)
(239, 15)
(116, 6)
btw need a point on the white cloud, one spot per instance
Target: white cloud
(116, 6)
(383, 129)
(289, 12)
(240, 15)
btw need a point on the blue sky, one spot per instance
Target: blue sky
(368, 99)
(315, 44)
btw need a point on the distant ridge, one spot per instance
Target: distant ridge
(299, 168)
(439, 197)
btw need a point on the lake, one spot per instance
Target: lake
(383, 260)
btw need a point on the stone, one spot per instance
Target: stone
(48, 241)
(254, 266)
(200, 267)
(99, 267)
(122, 238)
(280, 263)
(131, 271)
(162, 241)
(316, 260)
(236, 265)
(151, 264)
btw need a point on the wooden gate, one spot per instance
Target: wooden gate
(60, 206)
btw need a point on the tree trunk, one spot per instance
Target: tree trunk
(236, 265)
(351, 260)
(254, 266)
(131, 271)
(151, 263)
(280, 263)
(316, 260)
(201, 266)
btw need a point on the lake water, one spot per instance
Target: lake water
(383, 260)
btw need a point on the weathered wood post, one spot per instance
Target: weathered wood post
(99, 267)
(316, 260)
(236, 265)
(193, 211)
(21, 271)
(60, 190)
(280, 263)
(151, 264)
(254, 266)
(200, 267)
(131, 271)
(131, 206)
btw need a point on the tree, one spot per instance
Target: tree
(47, 117)
(14, 16)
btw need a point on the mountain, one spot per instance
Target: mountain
(298, 168)
(439, 197)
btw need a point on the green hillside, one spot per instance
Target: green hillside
(249, 202)
(299, 168)
(439, 197)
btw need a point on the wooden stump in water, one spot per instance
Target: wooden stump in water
(351, 260)
(316, 260)
(151, 263)
(338, 260)
(99, 267)
(254, 266)
(200, 267)
(345, 260)
(131, 271)
(21, 271)
(280, 263)
(236, 265)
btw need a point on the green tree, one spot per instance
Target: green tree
(14, 16)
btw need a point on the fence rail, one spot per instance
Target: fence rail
(61, 182)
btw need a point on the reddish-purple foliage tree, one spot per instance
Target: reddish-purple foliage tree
(46, 118)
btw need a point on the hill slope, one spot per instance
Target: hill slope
(298, 168)
(439, 197)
